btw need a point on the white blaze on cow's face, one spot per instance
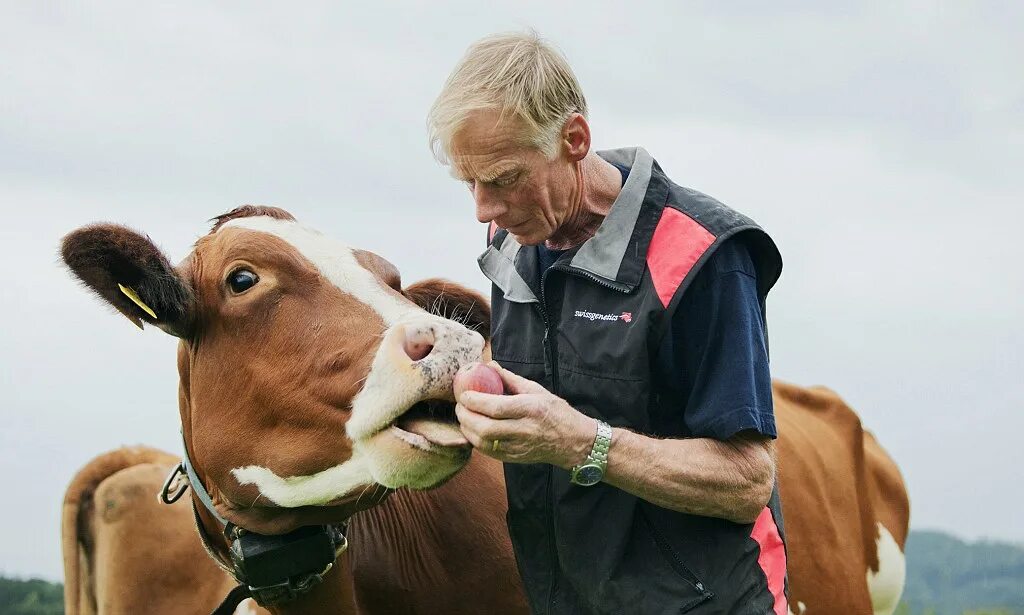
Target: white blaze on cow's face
(313, 377)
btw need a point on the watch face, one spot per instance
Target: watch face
(589, 475)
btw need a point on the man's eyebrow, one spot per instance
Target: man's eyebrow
(490, 175)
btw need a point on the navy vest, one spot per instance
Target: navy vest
(589, 332)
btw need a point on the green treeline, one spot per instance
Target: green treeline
(945, 576)
(34, 597)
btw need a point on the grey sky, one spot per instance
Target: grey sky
(880, 145)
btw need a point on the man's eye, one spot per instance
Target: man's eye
(506, 180)
(242, 280)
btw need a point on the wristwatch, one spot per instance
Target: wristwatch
(591, 471)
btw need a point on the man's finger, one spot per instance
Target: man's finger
(514, 383)
(478, 429)
(471, 424)
(493, 406)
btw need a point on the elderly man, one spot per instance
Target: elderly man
(629, 324)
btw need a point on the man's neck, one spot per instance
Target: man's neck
(598, 185)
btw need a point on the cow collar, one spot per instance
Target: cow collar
(270, 569)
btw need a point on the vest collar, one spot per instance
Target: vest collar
(499, 262)
(615, 255)
(603, 254)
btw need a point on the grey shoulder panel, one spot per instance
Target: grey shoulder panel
(602, 254)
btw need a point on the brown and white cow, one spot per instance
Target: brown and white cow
(126, 553)
(312, 386)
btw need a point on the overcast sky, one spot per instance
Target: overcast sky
(882, 147)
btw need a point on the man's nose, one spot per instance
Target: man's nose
(488, 207)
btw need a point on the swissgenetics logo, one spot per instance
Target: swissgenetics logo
(592, 316)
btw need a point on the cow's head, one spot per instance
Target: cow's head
(308, 378)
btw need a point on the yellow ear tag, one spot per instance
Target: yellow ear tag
(135, 299)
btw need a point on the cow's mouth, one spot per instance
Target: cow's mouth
(430, 424)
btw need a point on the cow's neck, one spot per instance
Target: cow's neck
(421, 540)
(396, 543)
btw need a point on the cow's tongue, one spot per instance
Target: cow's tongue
(437, 432)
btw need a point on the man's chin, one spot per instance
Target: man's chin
(527, 240)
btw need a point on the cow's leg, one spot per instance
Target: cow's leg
(886, 585)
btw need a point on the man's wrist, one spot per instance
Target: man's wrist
(581, 442)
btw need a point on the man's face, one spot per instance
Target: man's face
(514, 185)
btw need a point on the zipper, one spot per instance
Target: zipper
(550, 359)
(587, 276)
(550, 362)
(674, 562)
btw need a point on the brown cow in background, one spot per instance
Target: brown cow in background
(844, 504)
(127, 553)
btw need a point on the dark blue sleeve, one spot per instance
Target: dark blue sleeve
(716, 348)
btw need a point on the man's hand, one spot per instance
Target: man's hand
(530, 424)
(730, 479)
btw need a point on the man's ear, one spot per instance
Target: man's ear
(576, 137)
(453, 301)
(127, 270)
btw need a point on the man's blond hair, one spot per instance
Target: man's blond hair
(517, 74)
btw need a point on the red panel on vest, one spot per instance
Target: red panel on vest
(772, 558)
(491, 231)
(677, 244)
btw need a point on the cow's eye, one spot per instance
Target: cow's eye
(242, 280)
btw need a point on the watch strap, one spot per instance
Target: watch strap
(598, 456)
(602, 443)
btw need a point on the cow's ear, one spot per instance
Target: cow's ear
(380, 267)
(127, 270)
(452, 301)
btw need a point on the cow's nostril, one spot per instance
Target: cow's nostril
(417, 351)
(418, 342)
